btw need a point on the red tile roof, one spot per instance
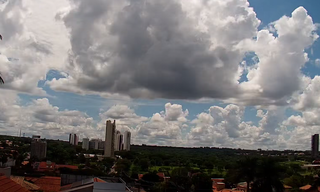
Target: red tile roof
(67, 166)
(24, 183)
(161, 175)
(7, 185)
(96, 179)
(287, 187)
(43, 166)
(306, 187)
(47, 184)
(227, 190)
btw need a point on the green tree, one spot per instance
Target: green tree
(246, 170)
(144, 164)
(95, 158)
(179, 176)
(106, 164)
(202, 183)
(159, 187)
(123, 165)
(294, 181)
(20, 158)
(4, 158)
(82, 158)
(268, 177)
(135, 170)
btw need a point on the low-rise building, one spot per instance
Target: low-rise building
(97, 184)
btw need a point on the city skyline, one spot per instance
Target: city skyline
(236, 74)
(114, 140)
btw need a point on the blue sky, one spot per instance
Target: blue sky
(59, 36)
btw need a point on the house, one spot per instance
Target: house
(218, 183)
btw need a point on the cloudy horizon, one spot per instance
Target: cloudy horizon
(221, 73)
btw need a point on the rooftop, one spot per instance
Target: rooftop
(90, 182)
(47, 184)
(24, 183)
(73, 167)
(7, 185)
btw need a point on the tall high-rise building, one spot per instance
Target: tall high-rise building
(120, 142)
(73, 139)
(109, 139)
(127, 140)
(38, 148)
(85, 143)
(116, 141)
(315, 145)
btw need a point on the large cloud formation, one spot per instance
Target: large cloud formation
(184, 50)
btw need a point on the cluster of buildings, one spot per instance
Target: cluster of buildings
(114, 140)
(73, 139)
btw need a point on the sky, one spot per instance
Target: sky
(220, 73)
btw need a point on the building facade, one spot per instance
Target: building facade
(73, 139)
(127, 140)
(101, 145)
(94, 143)
(85, 143)
(38, 148)
(117, 141)
(121, 142)
(109, 139)
(315, 145)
